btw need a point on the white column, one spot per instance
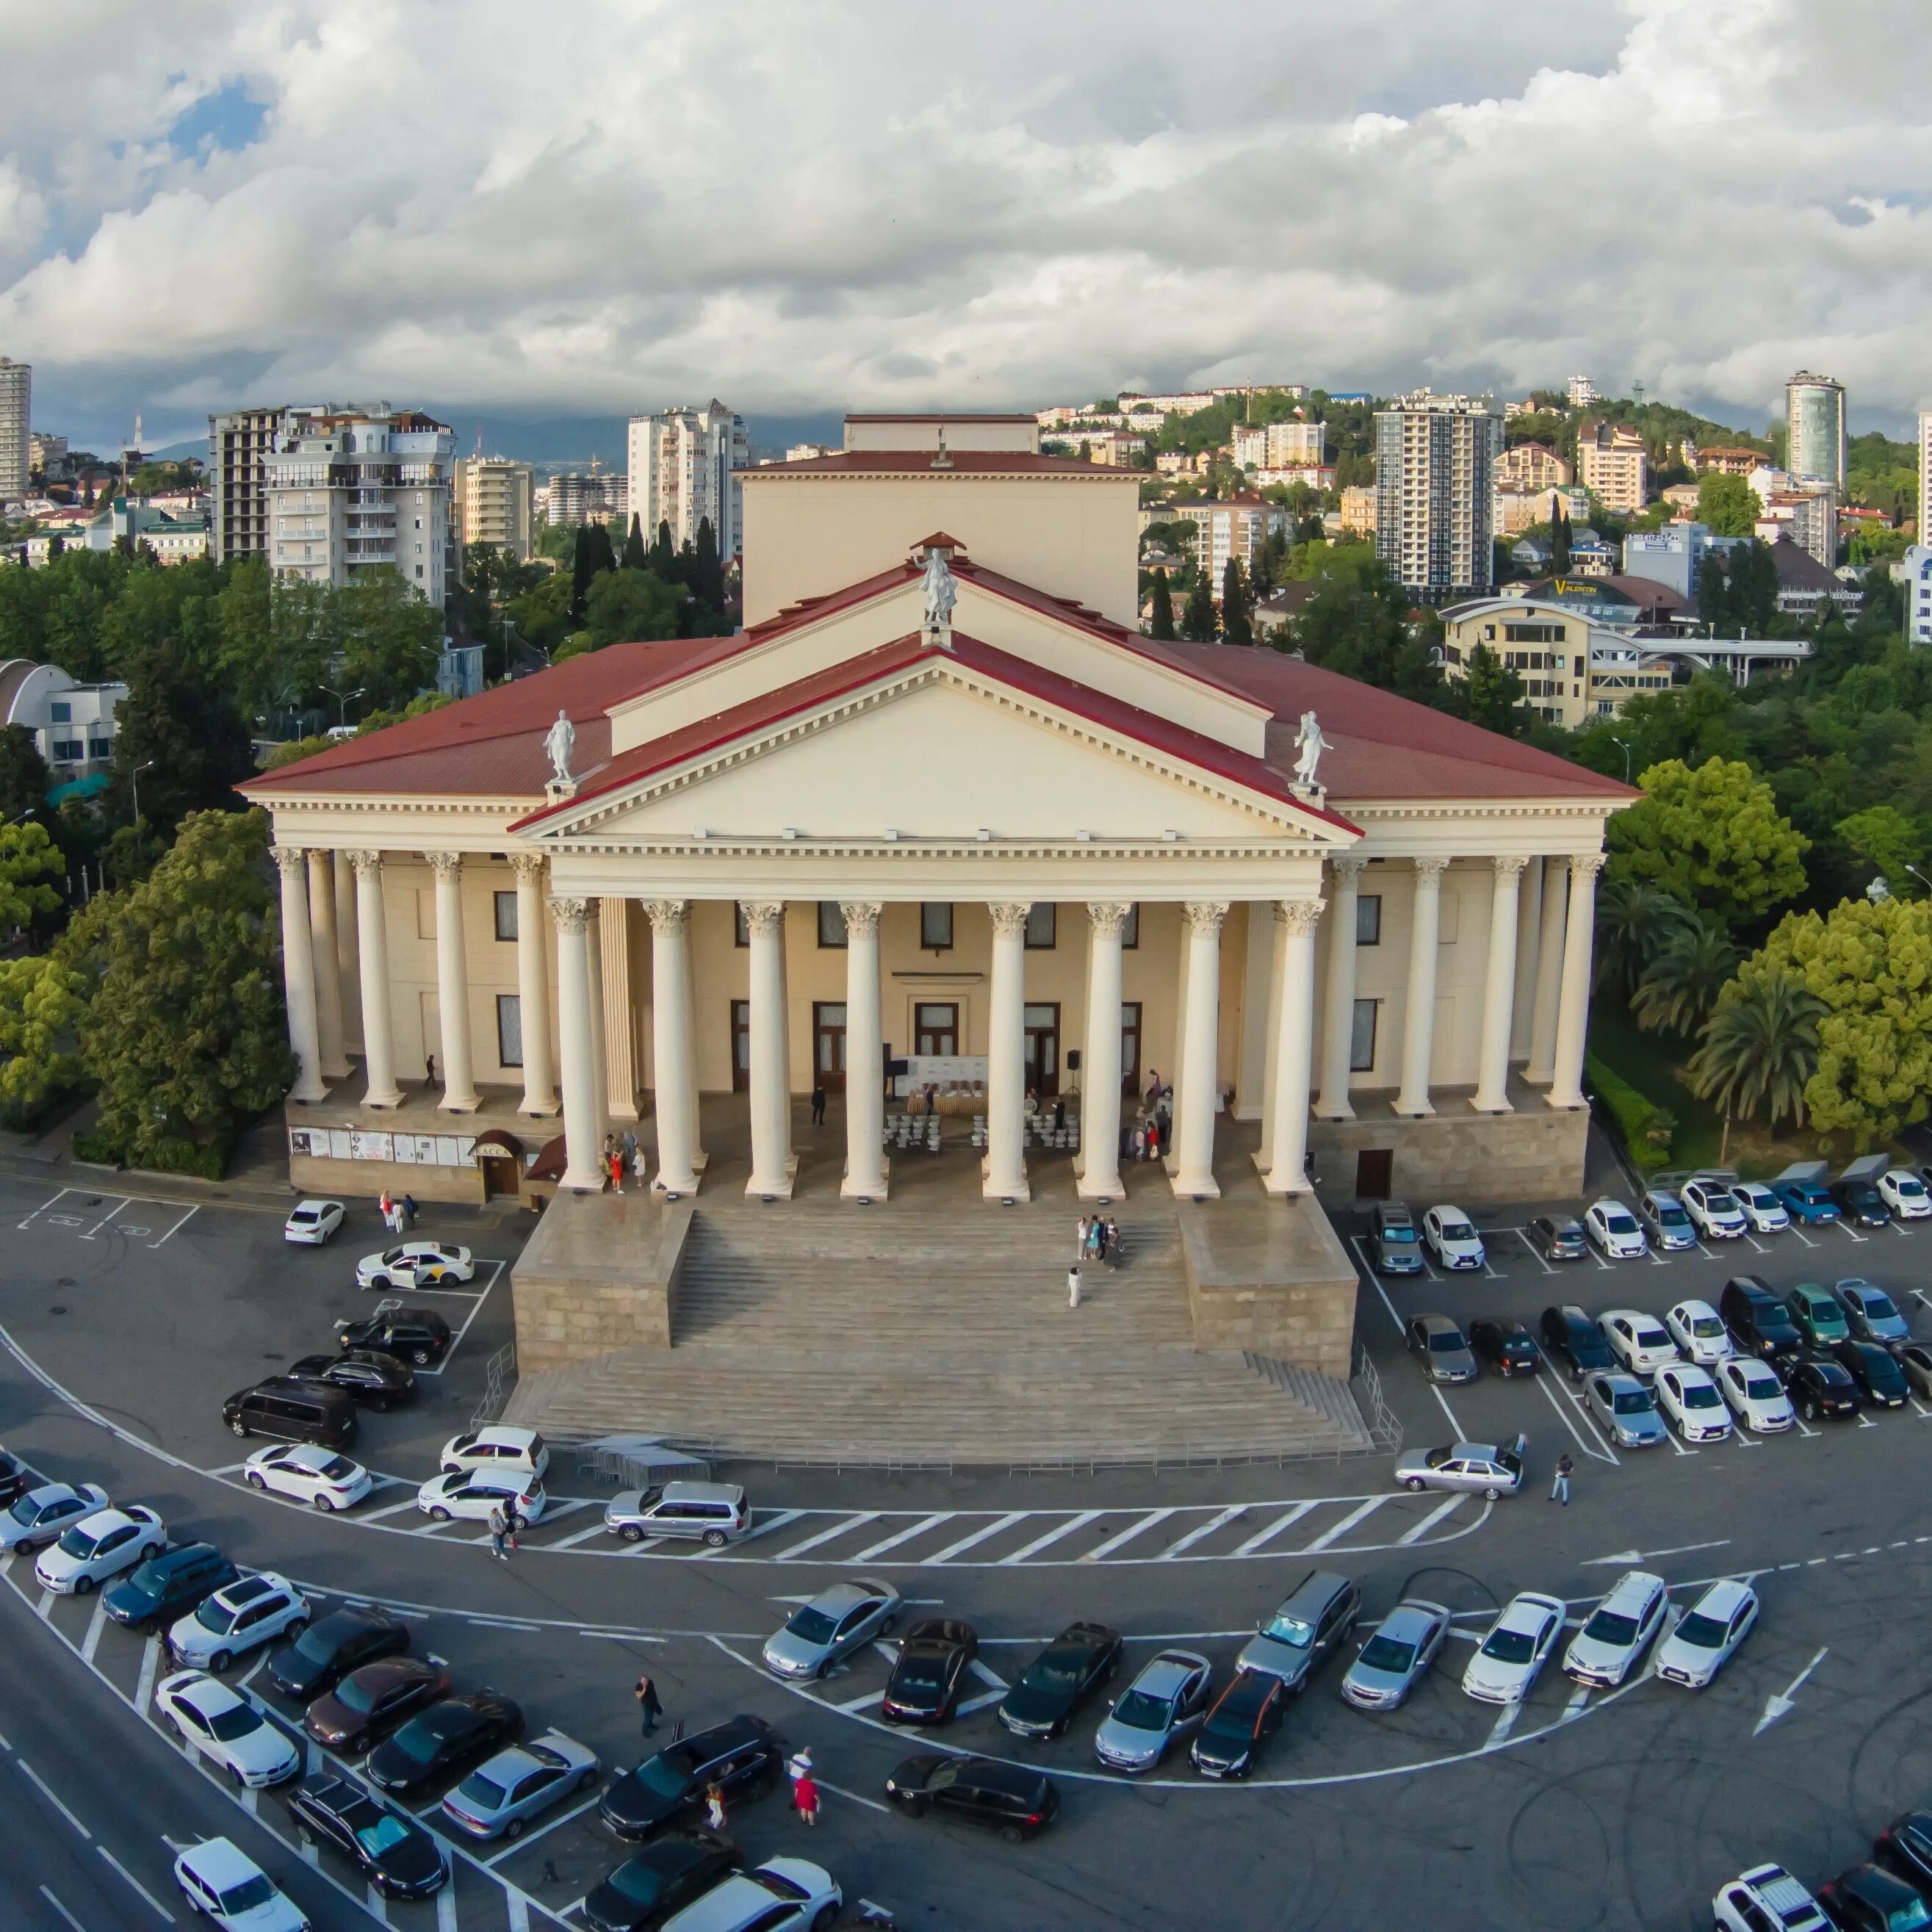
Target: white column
(772, 1165)
(865, 1057)
(670, 1041)
(533, 985)
(1004, 1168)
(452, 985)
(372, 930)
(1294, 1047)
(328, 967)
(1498, 989)
(1270, 911)
(693, 1113)
(1528, 927)
(1194, 1126)
(1542, 1067)
(582, 1138)
(1100, 1062)
(1338, 1019)
(1258, 988)
(620, 1058)
(299, 974)
(1418, 1030)
(1572, 1014)
(593, 960)
(348, 954)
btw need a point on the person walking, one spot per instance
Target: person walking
(630, 1145)
(1082, 1228)
(649, 1706)
(1113, 1242)
(499, 1530)
(1559, 1490)
(818, 1103)
(714, 1808)
(616, 1166)
(638, 1167)
(804, 1795)
(408, 1210)
(1073, 1287)
(1059, 1114)
(1099, 1238)
(429, 1069)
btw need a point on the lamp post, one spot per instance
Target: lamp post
(1625, 743)
(342, 698)
(1920, 877)
(135, 782)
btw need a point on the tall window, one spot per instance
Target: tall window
(741, 926)
(935, 928)
(831, 923)
(509, 1030)
(506, 915)
(1362, 1043)
(1130, 933)
(1041, 927)
(1369, 919)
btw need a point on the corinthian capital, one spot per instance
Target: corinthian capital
(1349, 866)
(529, 865)
(671, 915)
(1205, 916)
(1508, 867)
(445, 865)
(861, 917)
(368, 864)
(764, 919)
(1109, 920)
(290, 860)
(1009, 919)
(1300, 915)
(1584, 867)
(572, 915)
(1429, 872)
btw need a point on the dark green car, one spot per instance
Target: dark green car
(1820, 1318)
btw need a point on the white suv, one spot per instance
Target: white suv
(1714, 1209)
(1767, 1896)
(713, 1513)
(758, 1901)
(1904, 1193)
(1603, 1652)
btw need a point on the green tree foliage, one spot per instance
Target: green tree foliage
(1883, 475)
(24, 777)
(707, 571)
(1491, 694)
(1759, 1051)
(1682, 982)
(1727, 504)
(40, 1009)
(1236, 625)
(1636, 919)
(180, 730)
(391, 639)
(1357, 622)
(28, 859)
(633, 557)
(1890, 842)
(1199, 622)
(542, 614)
(626, 605)
(1559, 542)
(1711, 836)
(1161, 624)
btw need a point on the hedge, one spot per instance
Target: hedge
(1647, 1129)
(174, 1157)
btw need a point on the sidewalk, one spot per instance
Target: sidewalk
(256, 1178)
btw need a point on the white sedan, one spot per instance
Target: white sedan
(226, 1886)
(252, 1612)
(99, 1546)
(504, 1449)
(1688, 1397)
(1755, 1396)
(468, 1495)
(416, 1265)
(1509, 1659)
(1762, 1208)
(1619, 1630)
(39, 1517)
(1904, 1193)
(1451, 1237)
(319, 1477)
(1714, 1209)
(1699, 1333)
(310, 1223)
(1707, 1634)
(1614, 1228)
(227, 1729)
(1638, 1341)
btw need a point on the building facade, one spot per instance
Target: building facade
(495, 504)
(1358, 510)
(684, 470)
(1282, 446)
(239, 443)
(1435, 464)
(576, 497)
(1814, 415)
(1583, 392)
(73, 725)
(1532, 466)
(46, 455)
(16, 405)
(1613, 466)
(1916, 569)
(1228, 527)
(1573, 668)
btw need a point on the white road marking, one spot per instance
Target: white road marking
(906, 1535)
(1579, 1698)
(1200, 1531)
(1348, 1522)
(1054, 1535)
(95, 1624)
(979, 1536)
(980, 1702)
(446, 1909)
(475, 1309)
(126, 1201)
(49, 1896)
(1778, 1705)
(150, 1661)
(859, 1702)
(44, 1608)
(1505, 1722)
(529, 1838)
(838, 1528)
(388, 1509)
(770, 1524)
(1127, 1535)
(570, 1541)
(40, 1785)
(377, 1906)
(1802, 1235)
(1419, 1530)
(177, 1228)
(1274, 1528)
(857, 1798)
(136, 1883)
(1588, 1443)
(44, 1206)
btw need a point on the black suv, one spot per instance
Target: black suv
(292, 1412)
(417, 1335)
(1007, 1798)
(385, 1845)
(1760, 1323)
(743, 1756)
(1570, 1337)
(168, 1586)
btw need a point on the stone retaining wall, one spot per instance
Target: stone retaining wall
(1272, 1279)
(599, 1274)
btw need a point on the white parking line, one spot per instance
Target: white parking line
(136, 1883)
(62, 1910)
(1280, 1523)
(1195, 1534)
(859, 1702)
(580, 1536)
(475, 1309)
(899, 1536)
(1588, 1443)
(979, 1536)
(1127, 1535)
(1505, 1722)
(177, 1228)
(1039, 1542)
(1579, 1698)
(51, 1201)
(1802, 1235)
(1847, 1228)
(151, 1663)
(388, 1509)
(838, 1528)
(446, 1909)
(40, 1785)
(530, 1838)
(771, 1524)
(1348, 1522)
(125, 1201)
(1419, 1530)
(1539, 1261)
(96, 1624)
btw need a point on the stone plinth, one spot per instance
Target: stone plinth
(598, 1274)
(1270, 1277)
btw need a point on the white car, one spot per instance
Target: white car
(1688, 1397)
(39, 1517)
(1613, 1228)
(468, 1495)
(227, 1729)
(416, 1265)
(1619, 1631)
(1755, 1396)
(1904, 1193)
(1714, 1210)
(1767, 1896)
(1638, 1341)
(310, 1223)
(320, 1478)
(99, 1546)
(1707, 1634)
(1762, 1208)
(248, 1614)
(520, 1451)
(1509, 1659)
(1699, 1333)
(781, 1895)
(225, 1886)
(1452, 1239)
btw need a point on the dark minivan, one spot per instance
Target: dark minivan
(1570, 1337)
(168, 1586)
(1760, 1323)
(293, 1411)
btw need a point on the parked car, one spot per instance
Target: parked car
(1617, 1631)
(1817, 1316)
(1391, 1662)
(1082, 1658)
(1570, 1337)
(1640, 1343)
(781, 1895)
(1876, 1372)
(292, 1412)
(373, 1699)
(1755, 1396)
(419, 1335)
(1860, 1201)
(1441, 1348)
(1626, 1408)
(1871, 1314)
(1663, 1219)
(713, 1513)
(225, 1886)
(1167, 1700)
(1392, 1239)
(666, 1875)
(1905, 1847)
(500, 1797)
(1016, 1802)
(380, 1382)
(841, 1618)
(1868, 1898)
(16, 1479)
(243, 1616)
(1614, 1230)
(1767, 1898)
(320, 1478)
(1486, 1468)
(1821, 1388)
(1510, 1659)
(98, 1548)
(1688, 1397)
(1809, 1203)
(471, 1495)
(743, 1756)
(416, 1265)
(453, 1732)
(1915, 1359)
(1760, 1323)
(1762, 1209)
(1904, 1193)
(333, 1646)
(1558, 1238)
(1699, 1331)
(1714, 1209)
(1505, 1344)
(929, 1673)
(166, 1587)
(311, 1223)
(1452, 1239)
(40, 1516)
(1241, 1720)
(1307, 1627)
(496, 1449)
(1708, 1633)
(227, 1730)
(386, 1846)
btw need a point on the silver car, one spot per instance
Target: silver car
(836, 1622)
(1389, 1665)
(1166, 1700)
(1489, 1469)
(43, 1515)
(1626, 1408)
(502, 1795)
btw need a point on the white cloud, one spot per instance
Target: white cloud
(596, 208)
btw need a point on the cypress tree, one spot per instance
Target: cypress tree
(1162, 625)
(1198, 624)
(660, 557)
(603, 556)
(635, 557)
(581, 568)
(1559, 542)
(1235, 626)
(707, 574)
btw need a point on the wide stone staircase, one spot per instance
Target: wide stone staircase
(806, 1334)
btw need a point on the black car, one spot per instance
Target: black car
(328, 1650)
(1392, 1239)
(292, 1412)
(663, 1878)
(1881, 1381)
(1904, 1848)
(1505, 1344)
(417, 1335)
(1867, 1898)
(1008, 1798)
(387, 1846)
(1859, 1201)
(1759, 1322)
(1570, 1337)
(1558, 1237)
(15, 1480)
(930, 1672)
(743, 1757)
(1245, 1716)
(378, 1381)
(1053, 1686)
(168, 1586)
(446, 1738)
(372, 1701)
(1818, 1388)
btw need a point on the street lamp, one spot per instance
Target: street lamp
(1920, 877)
(135, 781)
(1625, 743)
(342, 698)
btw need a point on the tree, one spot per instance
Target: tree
(1760, 1050)
(1635, 919)
(390, 637)
(1493, 693)
(662, 557)
(1357, 622)
(1712, 837)
(707, 572)
(1161, 621)
(1886, 840)
(40, 1012)
(626, 605)
(1691, 967)
(1728, 505)
(24, 777)
(1236, 626)
(582, 568)
(1197, 623)
(634, 558)
(182, 736)
(1559, 541)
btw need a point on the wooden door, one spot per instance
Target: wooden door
(1130, 1049)
(828, 1044)
(1374, 1174)
(936, 1029)
(741, 1046)
(1043, 1047)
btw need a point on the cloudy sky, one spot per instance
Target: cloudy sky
(517, 208)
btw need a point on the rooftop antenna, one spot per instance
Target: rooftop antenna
(1636, 394)
(479, 442)
(942, 460)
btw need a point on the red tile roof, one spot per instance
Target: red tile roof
(960, 462)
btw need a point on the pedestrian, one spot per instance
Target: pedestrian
(1153, 1088)
(1073, 1287)
(638, 1167)
(1139, 1140)
(609, 1147)
(804, 1795)
(1082, 1227)
(1559, 1490)
(499, 1530)
(429, 1069)
(617, 1170)
(818, 1103)
(408, 1210)
(630, 1147)
(799, 1764)
(389, 1212)
(1100, 1239)
(1153, 1140)
(1113, 1250)
(714, 1808)
(648, 1703)
(1059, 1114)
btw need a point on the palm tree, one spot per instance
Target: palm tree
(1681, 985)
(1760, 1047)
(1634, 918)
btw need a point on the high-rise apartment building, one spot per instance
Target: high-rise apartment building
(1814, 415)
(16, 401)
(1532, 466)
(493, 503)
(238, 444)
(361, 488)
(1583, 392)
(1435, 460)
(684, 466)
(1610, 458)
(46, 455)
(576, 498)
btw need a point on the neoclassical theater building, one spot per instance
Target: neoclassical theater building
(939, 803)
